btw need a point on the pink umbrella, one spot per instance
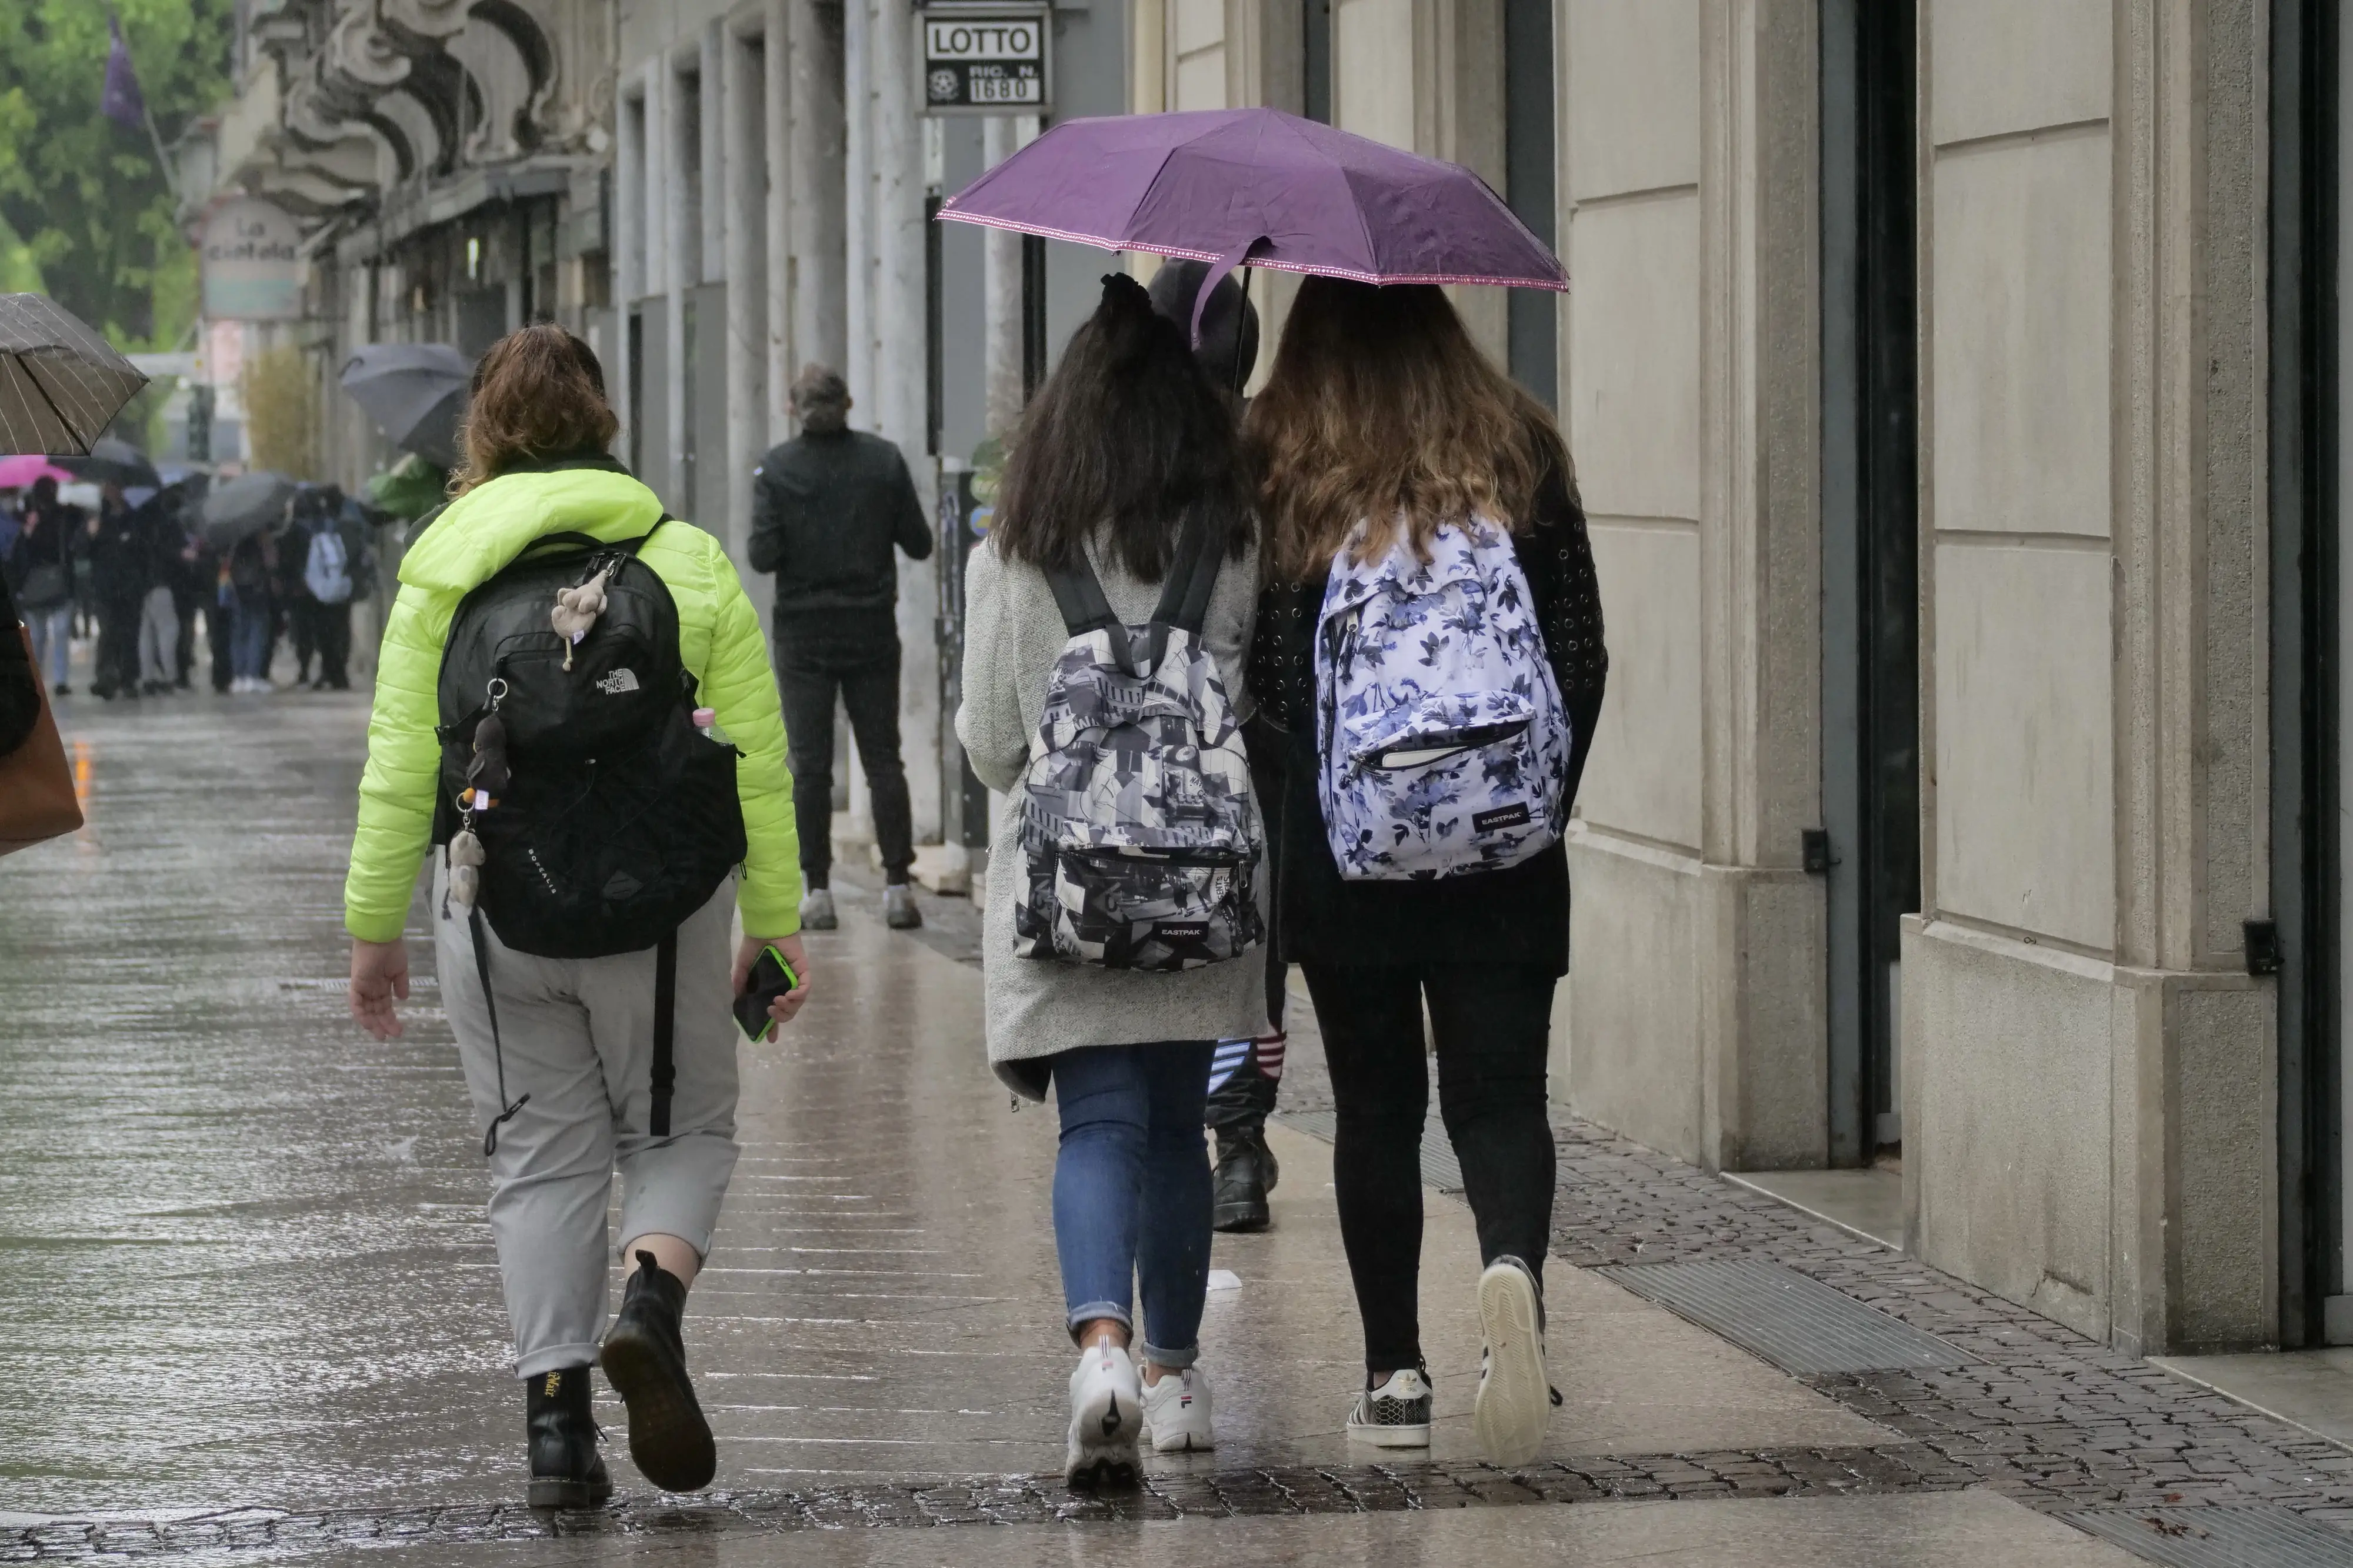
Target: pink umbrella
(19, 473)
(1260, 188)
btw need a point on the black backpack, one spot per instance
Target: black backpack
(618, 816)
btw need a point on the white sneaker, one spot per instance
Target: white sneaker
(816, 910)
(1177, 1413)
(1515, 1399)
(1106, 1418)
(1394, 1416)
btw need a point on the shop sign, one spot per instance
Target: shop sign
(252, 264)
(986, 60)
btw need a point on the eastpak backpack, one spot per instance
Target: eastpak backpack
(1139, 836)
(1444, 741)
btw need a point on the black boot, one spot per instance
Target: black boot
(565, 1469)
(1245, 1174)
(645, 1355)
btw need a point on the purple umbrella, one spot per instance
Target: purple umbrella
(1259, 186)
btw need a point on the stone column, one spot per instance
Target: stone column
(777, 347)
(820, 320)
(629, 254)
(858, 210)
(744, 177)
(1002, 136)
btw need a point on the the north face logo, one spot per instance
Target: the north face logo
(620, 680)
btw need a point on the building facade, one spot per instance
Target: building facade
(1952, 388)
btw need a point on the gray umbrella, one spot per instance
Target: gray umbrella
(110, 458)
(60, 383)
(415, 392)
(245, 505)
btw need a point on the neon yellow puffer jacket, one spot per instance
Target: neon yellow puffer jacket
(718, 639)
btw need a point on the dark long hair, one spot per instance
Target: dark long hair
(1126, 432)
(1381, 410)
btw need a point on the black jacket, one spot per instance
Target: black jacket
(1517, 915)
(120, 563)
(826, 511)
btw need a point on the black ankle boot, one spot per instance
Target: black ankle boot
(1245, 1174)
(645, 1355)
(565, 1470)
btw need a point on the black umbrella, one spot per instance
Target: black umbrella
(242, 506)
(110, 458)
(60, 383)
(415, 392)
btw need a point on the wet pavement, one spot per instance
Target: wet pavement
(242, 1259)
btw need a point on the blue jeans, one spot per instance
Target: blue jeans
(1132, 1189)
(249, 643)
(51, 627)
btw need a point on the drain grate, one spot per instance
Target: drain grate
(2228, 1535)
(1800, 1325)
(1439, 1168)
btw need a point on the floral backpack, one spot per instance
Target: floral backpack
(1139, 838)
(1444, 741)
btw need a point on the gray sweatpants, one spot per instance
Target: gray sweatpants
(577, 1037)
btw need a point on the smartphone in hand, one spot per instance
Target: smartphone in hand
(771, 977)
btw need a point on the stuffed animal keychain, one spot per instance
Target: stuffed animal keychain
(576, 609)
(486, 780)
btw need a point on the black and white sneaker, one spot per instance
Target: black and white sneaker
(1515, 1399)
(1396, 1414)
(1106, 1419)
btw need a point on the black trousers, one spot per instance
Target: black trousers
(1492, 1024)
(303, 631)
(184, 654)
(855, 657)
(220, 626)
(116, 665)
(330, 633)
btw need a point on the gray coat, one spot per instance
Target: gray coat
(1013, 635)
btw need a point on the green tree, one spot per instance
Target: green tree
(85, 195)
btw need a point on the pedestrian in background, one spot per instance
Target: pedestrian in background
(290, 586)
(121, 571)
(1247, 1071)
(42, 574)
(1381, 425)
(828, 507)
(169, 552)
(573, 1040)
(1125, 440)
(252, 564)
(336, 572)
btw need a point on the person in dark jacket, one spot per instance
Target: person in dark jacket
(1247, 1072)
(121, 571)
(828, 507)
(41, 569)
(169, 553)
(1381, 424)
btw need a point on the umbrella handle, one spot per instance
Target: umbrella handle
(1216, 275)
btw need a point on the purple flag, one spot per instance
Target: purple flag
(123, 103)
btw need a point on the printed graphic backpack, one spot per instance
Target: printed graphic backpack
(572, 773)
(1444, 741)
(328, 571)
(1139, 836)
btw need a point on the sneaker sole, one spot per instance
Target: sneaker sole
(1389, 1437)
(1103, 1459)
(670, 1442)
(1514, 1400)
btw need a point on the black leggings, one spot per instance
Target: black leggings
(1493, 1023)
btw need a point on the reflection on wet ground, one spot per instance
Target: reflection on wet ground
(242, 1253)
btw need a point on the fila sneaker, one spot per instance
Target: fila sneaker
(1177, 1413)
(1106, 1419)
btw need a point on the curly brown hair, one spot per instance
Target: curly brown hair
(538, 394)
(1380, 410)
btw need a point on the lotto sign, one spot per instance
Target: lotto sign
(985, 60)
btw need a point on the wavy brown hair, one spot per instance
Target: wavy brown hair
(538, 394)
(1380, 410)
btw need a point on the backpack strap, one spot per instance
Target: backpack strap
(665, 1070)
(1192, 578)
(1078, 593)
(498, 1049)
